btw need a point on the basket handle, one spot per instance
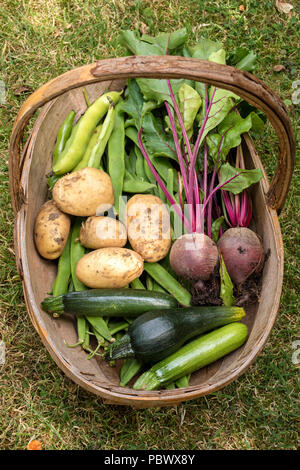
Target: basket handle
(242, 83)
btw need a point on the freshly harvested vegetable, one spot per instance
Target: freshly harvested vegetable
(148, 226)
(116, 155)
(155, 335)
(51, 230)
(61, 282)
(194, 355)
(63, 135)
(130, 368)
(242, 252)
(84, 192)
(102, 232)
(108, 302)
(78, 142)
(194, 256)
(168, 282)
(109, 268)
(98, 149)
(87, 154)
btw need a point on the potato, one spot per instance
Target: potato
(84, 192)
(102, 232)
(148, 227)
(109, 267)
(51, 230)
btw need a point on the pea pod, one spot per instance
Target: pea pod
(116, 156)
(99, 147)
(63, 135)
(77, 251)
(87, 154)
(72, 154)
(168, 282)
(61, 283)
(130, 368)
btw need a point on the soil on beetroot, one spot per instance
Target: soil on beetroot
(248, 293)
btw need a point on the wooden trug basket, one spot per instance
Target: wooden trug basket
(29, 165)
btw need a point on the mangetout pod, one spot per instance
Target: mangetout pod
(29, 192)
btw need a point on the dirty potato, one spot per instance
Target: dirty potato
(102, 232)
(51, 230)
(84, 192)
(109, 268)
(148, 227)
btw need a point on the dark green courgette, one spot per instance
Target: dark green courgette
(155, 335)
(194, 355)
(108, 302)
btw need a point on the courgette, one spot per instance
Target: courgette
(155, 335)
(108, 302)
(194, 355)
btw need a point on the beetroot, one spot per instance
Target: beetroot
(194, 256)
(242, 252)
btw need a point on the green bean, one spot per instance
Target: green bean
(61, 283)
(168, 282)
(77, 251)
(157, 287)
(130, 162)
(63, 135)
(170, 386)
(99, 147)
(137, 284)
(87, 154)
(99, 325)
(116, 326)
(183, 381)
(72, 155)
(140, 168)
(116, 156)
(149, 282)
(131, 366)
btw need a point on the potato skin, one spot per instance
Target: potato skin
(101, 232)
(109, 268)
(148, 227)
(51, 230)
(85, 192)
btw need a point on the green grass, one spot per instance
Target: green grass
(40, 40)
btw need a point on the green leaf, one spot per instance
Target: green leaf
(218, 56)
(133, 102)
(242, 59)
(204, 48)
(215, 228)
(223, 101)
(245, 179)
(226, 287)
(133, 184)
(189, 105)
(231, 128)
(171, 41)
(157, 90)
(157, 142)
(247, 63)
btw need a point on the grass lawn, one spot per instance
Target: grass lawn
(40, 40)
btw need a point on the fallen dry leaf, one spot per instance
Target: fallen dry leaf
(21, 90)
(283, 7)
(34, 445)
(57, 33)
(278, 68)
(144, 28)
